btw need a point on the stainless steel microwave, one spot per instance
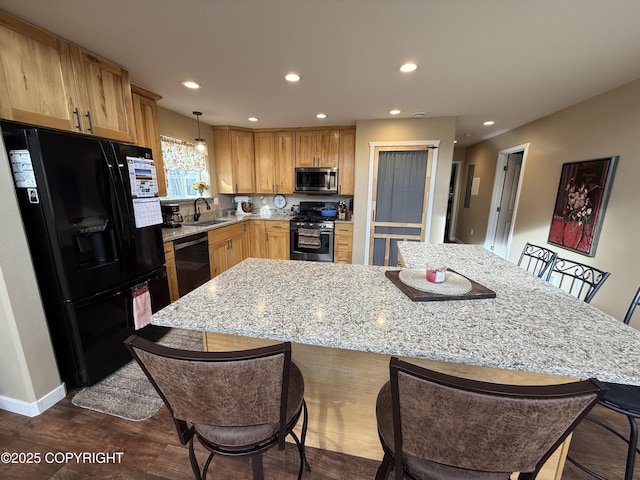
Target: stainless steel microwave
(319, 180)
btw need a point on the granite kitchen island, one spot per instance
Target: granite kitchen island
(346, 320)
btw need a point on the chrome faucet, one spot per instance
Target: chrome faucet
(196, 210)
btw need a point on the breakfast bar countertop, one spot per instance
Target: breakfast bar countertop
(530, 326)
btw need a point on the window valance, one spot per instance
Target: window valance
(181, 155)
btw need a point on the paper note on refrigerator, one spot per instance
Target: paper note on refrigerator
(22, 169)
(144, 191)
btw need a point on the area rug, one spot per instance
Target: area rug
(127, 393)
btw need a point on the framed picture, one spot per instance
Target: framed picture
(580, 204)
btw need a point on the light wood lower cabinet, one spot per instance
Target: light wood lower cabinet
(257, 236)
(269, 239)
(172, 275)
(342, 242)
(227, 247)
(277, 240)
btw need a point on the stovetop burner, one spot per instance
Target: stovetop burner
(310, 212)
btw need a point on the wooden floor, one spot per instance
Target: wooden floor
(150, 450)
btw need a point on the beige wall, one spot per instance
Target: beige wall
(603, 126)
(401, 130)
(28, 369)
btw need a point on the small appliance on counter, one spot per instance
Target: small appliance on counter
(245, 205)
(171, 217)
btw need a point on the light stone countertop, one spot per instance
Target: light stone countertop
(171, 234)
(530, 325)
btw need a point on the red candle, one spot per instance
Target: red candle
(436, 273)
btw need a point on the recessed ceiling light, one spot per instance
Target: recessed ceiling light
(468, 134)
(253, 119)
(409, 67)
(418, 114)
(455, 141)
(395, 111)
(321, 115)
(488, 123)
(292, 77)
(190, 84)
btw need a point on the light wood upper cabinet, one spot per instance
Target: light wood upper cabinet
(48, 82)
(346, 162)
(234, 159)
(264, 144)
(104, 103)
(274, 161)
(34, 71)
(145, 110)
(317, 148)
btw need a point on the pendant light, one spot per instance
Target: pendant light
(201, 145)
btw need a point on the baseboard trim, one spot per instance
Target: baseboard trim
(33, 409)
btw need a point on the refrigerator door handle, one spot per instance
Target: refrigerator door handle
(125, 234)
(127, 207)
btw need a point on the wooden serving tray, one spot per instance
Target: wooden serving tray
(477, 291)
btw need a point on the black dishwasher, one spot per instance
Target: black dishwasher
(192, 262)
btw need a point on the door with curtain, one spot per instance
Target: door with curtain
(399, 200)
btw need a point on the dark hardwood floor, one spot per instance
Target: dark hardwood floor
(150, 450)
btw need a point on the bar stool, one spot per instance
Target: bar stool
(624, 399)
(235, 403)
(436, 426)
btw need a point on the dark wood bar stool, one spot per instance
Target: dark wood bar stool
(436, 426)
(238, 403)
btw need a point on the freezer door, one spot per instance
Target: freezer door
(140, 206)
(70, 214)
(99, 326)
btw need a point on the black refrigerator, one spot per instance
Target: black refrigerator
(92, 216)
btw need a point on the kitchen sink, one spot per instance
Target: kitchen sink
(207, 223)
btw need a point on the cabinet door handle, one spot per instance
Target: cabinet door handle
(76, 112)
(88, 115)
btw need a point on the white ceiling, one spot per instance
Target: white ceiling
(511, 61)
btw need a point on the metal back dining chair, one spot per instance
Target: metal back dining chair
(436, 426)
(235, 403)
(578, 279)
(624, 399)
(536, 259)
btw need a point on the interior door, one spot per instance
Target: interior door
(399, 200)
(507, 203)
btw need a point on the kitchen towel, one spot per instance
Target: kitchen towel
(309, 238)
(141, 305)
